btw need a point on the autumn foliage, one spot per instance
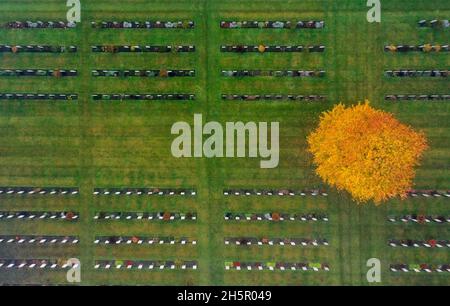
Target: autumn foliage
(366, 151)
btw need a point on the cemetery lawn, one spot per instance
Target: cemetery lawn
(127, 144)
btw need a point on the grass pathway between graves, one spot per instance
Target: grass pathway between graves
(87, 171)
(207, 207)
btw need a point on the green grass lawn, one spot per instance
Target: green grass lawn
(127, 144)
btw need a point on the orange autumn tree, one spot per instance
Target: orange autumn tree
(366, 151)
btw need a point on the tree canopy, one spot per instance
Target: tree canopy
(366, 152)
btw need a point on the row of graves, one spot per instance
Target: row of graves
(38, 240)
(274, 73)
(38, 96)
(403, 73)
(276, 217)
(40, 25)
(427, 268)
(274, 192)
(97, 191)
(428, 193)
(163, 73)
(146, 264)
(416, 48)
(140, 49)
(273, 24)
(273, 97)
(434, 23)
(143, 240)
(246, 241)
(37, 49)
(419, 218)
(270, 48)
(277, 266)
(145, 191)
(38, 73)
(39, 191)
(157, 216)
(149, 24)
(411, 243)
(144, 97)
(37, 264)
(70, 216)
(412, 97)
